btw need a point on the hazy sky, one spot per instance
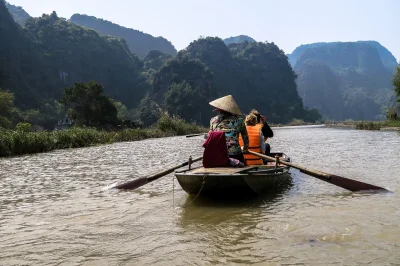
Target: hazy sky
(288, 23)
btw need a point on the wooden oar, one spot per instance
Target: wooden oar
(145, 180)
(195, 135)
(343, 182)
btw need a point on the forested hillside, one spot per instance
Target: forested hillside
(360, 72)
(258, 75)
(50, 54)
(79, 54)
(18, 13)
(22, 68)
(139, 43)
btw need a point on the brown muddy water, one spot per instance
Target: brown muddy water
(55, 208)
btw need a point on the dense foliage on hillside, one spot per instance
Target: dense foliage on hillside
(22, 70)
(216, 70)
(153, 61)
(139, 43)
(18, 13)
(361, 75)
(274, 90)
(184, 87)
(238, 39)
(79, 54)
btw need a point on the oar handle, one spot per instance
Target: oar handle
(138, 182)
(170, 170)
(195, 135)
(306, 170)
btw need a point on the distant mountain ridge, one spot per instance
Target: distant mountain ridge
(387, 57)
(18, 13)
(139, 43)
(238, 39)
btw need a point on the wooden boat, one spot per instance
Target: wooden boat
(219, 181)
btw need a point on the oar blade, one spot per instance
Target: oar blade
(346, 183)
(134, 184)
(343, 182)
(353, 185)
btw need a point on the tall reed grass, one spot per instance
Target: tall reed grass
(16, 142)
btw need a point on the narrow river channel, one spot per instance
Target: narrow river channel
(55, 208)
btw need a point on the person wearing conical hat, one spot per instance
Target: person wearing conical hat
(230, 121)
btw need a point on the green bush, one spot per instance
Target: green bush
(22, 126)
(369, 125)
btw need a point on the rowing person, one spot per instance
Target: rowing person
(230, 121)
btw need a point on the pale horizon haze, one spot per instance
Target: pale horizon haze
(287, 23)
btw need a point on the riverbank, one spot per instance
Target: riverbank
(18, 142)
(367, 125)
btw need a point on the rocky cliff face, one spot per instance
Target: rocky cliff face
(359, 71)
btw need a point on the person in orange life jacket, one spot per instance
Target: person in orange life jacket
(256, 140)
(266, 130)
(230, 121)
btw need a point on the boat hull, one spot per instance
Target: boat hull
(223, 181)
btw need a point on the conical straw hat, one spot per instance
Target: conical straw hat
(228, 104)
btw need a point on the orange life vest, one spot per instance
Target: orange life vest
(254, 144)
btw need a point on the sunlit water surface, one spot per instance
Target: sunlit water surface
(55, 208)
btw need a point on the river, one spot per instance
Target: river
(56, 208)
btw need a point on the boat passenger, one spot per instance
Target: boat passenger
(230, 121)
(256, 140)
(266, 130)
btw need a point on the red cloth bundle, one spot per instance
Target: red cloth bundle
(215, 151)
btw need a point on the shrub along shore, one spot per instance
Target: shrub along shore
(22, 141)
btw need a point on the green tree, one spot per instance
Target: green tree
(88, 106)
(123, 113)
(149, 111)
(6, 107)
(396, 82)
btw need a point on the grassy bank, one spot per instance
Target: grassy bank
(16, 142)
(391, 124)
(294, 122)
(368, 125)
